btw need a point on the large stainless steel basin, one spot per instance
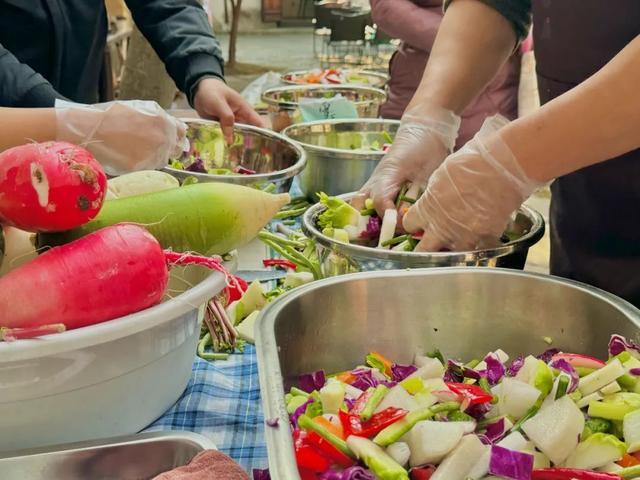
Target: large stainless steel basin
(332, 324)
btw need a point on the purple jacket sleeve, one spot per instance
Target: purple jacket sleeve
(404, 20)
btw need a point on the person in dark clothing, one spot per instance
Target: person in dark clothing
(586, 136)
(54, 49)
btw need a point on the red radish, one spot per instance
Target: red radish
(51, 186)
(107, 274)
(579, 361)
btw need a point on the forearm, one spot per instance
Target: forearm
(473, 42)
(23, 125)
(595, 121)
(403, 19)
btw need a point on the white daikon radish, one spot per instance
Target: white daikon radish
(428, 368)
(555, 429)
(388, 227)
(515, 397)
(431, 441)
(400, 452)
(398, 397)
(459, 463)
(19, 248)
(139, 183)
(601, 377)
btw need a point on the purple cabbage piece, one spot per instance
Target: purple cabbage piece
(197, 166)
(510, 464)
(350, 402)
(564, 366)
(372, 231)
(495, 431)
(619, 344)
(352, 473)
(299, 411)
(456, 372)
(366, 379)
(495, 369)
(547, 355)
(635, 371)
(312, 381)
(400, 372)
(478, 411)
(261, 474)
(515, 366)
(484, 439)
(273, 422)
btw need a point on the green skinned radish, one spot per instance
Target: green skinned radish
(206, 218)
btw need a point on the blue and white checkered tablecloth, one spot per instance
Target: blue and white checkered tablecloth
(222, 402)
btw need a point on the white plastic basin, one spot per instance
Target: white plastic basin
(110, 379)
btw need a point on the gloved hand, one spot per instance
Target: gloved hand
(470, 198)
(421, 144)
(124, 136)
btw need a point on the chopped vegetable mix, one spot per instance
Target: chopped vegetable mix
(522, 419)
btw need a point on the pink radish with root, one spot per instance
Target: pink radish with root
(112, 272)
(51, 186)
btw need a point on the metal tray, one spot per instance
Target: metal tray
(132, 457)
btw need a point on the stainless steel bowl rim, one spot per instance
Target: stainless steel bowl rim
(366, 73)
(293, 88)
(339, 151)
(270, 374)
(534, 234)
(283, 174)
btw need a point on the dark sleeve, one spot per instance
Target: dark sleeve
(21, 86)
(518, 12)
(179, 32)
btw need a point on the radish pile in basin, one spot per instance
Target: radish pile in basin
(551, 417)
(99, 260)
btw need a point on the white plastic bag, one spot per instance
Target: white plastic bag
(253, 91)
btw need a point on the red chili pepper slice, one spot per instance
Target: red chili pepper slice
(307, 455)
(332, 453)
(352, 425)
(306, 474)
(422, 473)
(571, 474)
(361, 402)
(279, 262)
(235, 290)
(473, 394)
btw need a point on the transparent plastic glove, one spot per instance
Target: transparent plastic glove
(419, 147)
(470, 198)
(124, 136)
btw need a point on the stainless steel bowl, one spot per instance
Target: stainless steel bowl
(465, 312)
(333, 166)
(370, 78)
(275, 158)
(283, 102)
(525, 229)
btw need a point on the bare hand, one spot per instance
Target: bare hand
(215, 100)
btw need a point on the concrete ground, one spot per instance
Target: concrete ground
(292, 49)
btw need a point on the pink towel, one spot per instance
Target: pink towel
(207, 465)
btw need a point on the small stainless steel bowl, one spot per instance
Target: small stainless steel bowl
(526, 229)
(275, 158)
(333, 166)
(283, 102)
(370, 78)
